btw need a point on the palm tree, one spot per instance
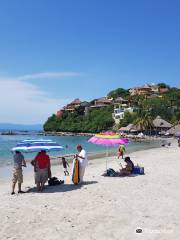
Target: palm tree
(144, 122)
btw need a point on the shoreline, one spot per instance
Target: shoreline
(91, 155)
(5, 171)
(82, 134)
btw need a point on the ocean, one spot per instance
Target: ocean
(7, 142)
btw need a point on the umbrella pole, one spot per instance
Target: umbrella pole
(106, 156)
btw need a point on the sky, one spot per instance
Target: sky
(52, 51)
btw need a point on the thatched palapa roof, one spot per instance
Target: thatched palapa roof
(158, 122)
(129, 128)
(174, 130)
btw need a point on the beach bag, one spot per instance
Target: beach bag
(75, 172)
(138, 170)
(54, 181)
(110, 172)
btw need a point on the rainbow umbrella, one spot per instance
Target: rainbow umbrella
(108, 139)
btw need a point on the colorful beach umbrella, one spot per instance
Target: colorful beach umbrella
(108, 139)
(36, 145)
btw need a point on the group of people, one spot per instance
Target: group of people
(42, 168)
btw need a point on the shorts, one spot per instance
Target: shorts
(17, 176)
(41, 176)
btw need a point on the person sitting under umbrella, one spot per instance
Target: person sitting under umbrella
(42, 169)
(128, 170)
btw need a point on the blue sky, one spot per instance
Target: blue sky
(53, 51)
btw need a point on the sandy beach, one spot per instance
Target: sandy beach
(104, 207)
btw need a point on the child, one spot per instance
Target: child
(121, 151)
(65, 165)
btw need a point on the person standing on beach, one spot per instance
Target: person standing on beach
(121, 151)
(19, 162)
(83, 161)
(42, 168)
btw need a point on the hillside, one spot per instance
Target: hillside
(95, 121)
(145, 105)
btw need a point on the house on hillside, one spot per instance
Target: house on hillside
(147, 89)
(163, 89)
(161, 125)
(121, 103)
(120, 107)
(101, 102)
(69, 108)
(140, 91)
(154, 88)
(72, 106)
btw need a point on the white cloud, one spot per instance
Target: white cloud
(42, 75)
(23, 102)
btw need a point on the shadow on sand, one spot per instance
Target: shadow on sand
(123, 176)
(62, 187)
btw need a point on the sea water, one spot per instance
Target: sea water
(7, 142)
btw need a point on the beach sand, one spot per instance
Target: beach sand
(104, 207)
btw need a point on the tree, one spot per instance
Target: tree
(163, 85)
(128, 118)
(144, 122)
(119, 92)
(96, 120)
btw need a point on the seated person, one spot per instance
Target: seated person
(128, 170)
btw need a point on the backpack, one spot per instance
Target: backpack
(138, 170)
(54, 181)
(110, 172)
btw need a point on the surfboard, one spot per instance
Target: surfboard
(75, 172)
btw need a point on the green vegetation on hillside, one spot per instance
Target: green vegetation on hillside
(119, 92)
(146, 108)
(166, 105)
(95, 121)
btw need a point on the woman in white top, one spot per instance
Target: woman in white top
(83, 161)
